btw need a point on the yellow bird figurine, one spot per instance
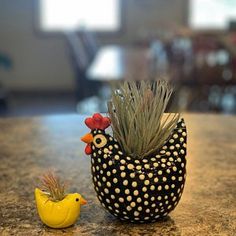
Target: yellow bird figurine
(58, 213)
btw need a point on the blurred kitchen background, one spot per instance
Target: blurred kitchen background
(61, 56)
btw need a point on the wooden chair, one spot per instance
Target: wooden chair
(89, 41)
(80, 62)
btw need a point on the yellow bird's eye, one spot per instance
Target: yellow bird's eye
(99, 141)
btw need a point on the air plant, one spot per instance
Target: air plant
(53, 186)
(137, 116)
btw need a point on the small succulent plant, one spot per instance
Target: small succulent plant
(53, 186)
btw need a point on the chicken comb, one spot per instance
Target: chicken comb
(97, 121)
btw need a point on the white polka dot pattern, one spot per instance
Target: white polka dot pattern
(141, 190)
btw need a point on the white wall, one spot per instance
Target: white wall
(146, 17)
(43, 63)
(39, 63)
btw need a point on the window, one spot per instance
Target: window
(212, 14)
(61, 15)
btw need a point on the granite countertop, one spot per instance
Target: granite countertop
(29, 146)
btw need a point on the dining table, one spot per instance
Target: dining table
(30, 146)
(114, 63)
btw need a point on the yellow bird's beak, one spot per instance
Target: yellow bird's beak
(83, 201)
(87, 138)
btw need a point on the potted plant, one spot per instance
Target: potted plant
(57, 209)
(138, 172)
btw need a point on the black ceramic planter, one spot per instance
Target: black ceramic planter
(139, 190)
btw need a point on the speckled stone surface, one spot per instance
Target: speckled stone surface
(29, 146)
